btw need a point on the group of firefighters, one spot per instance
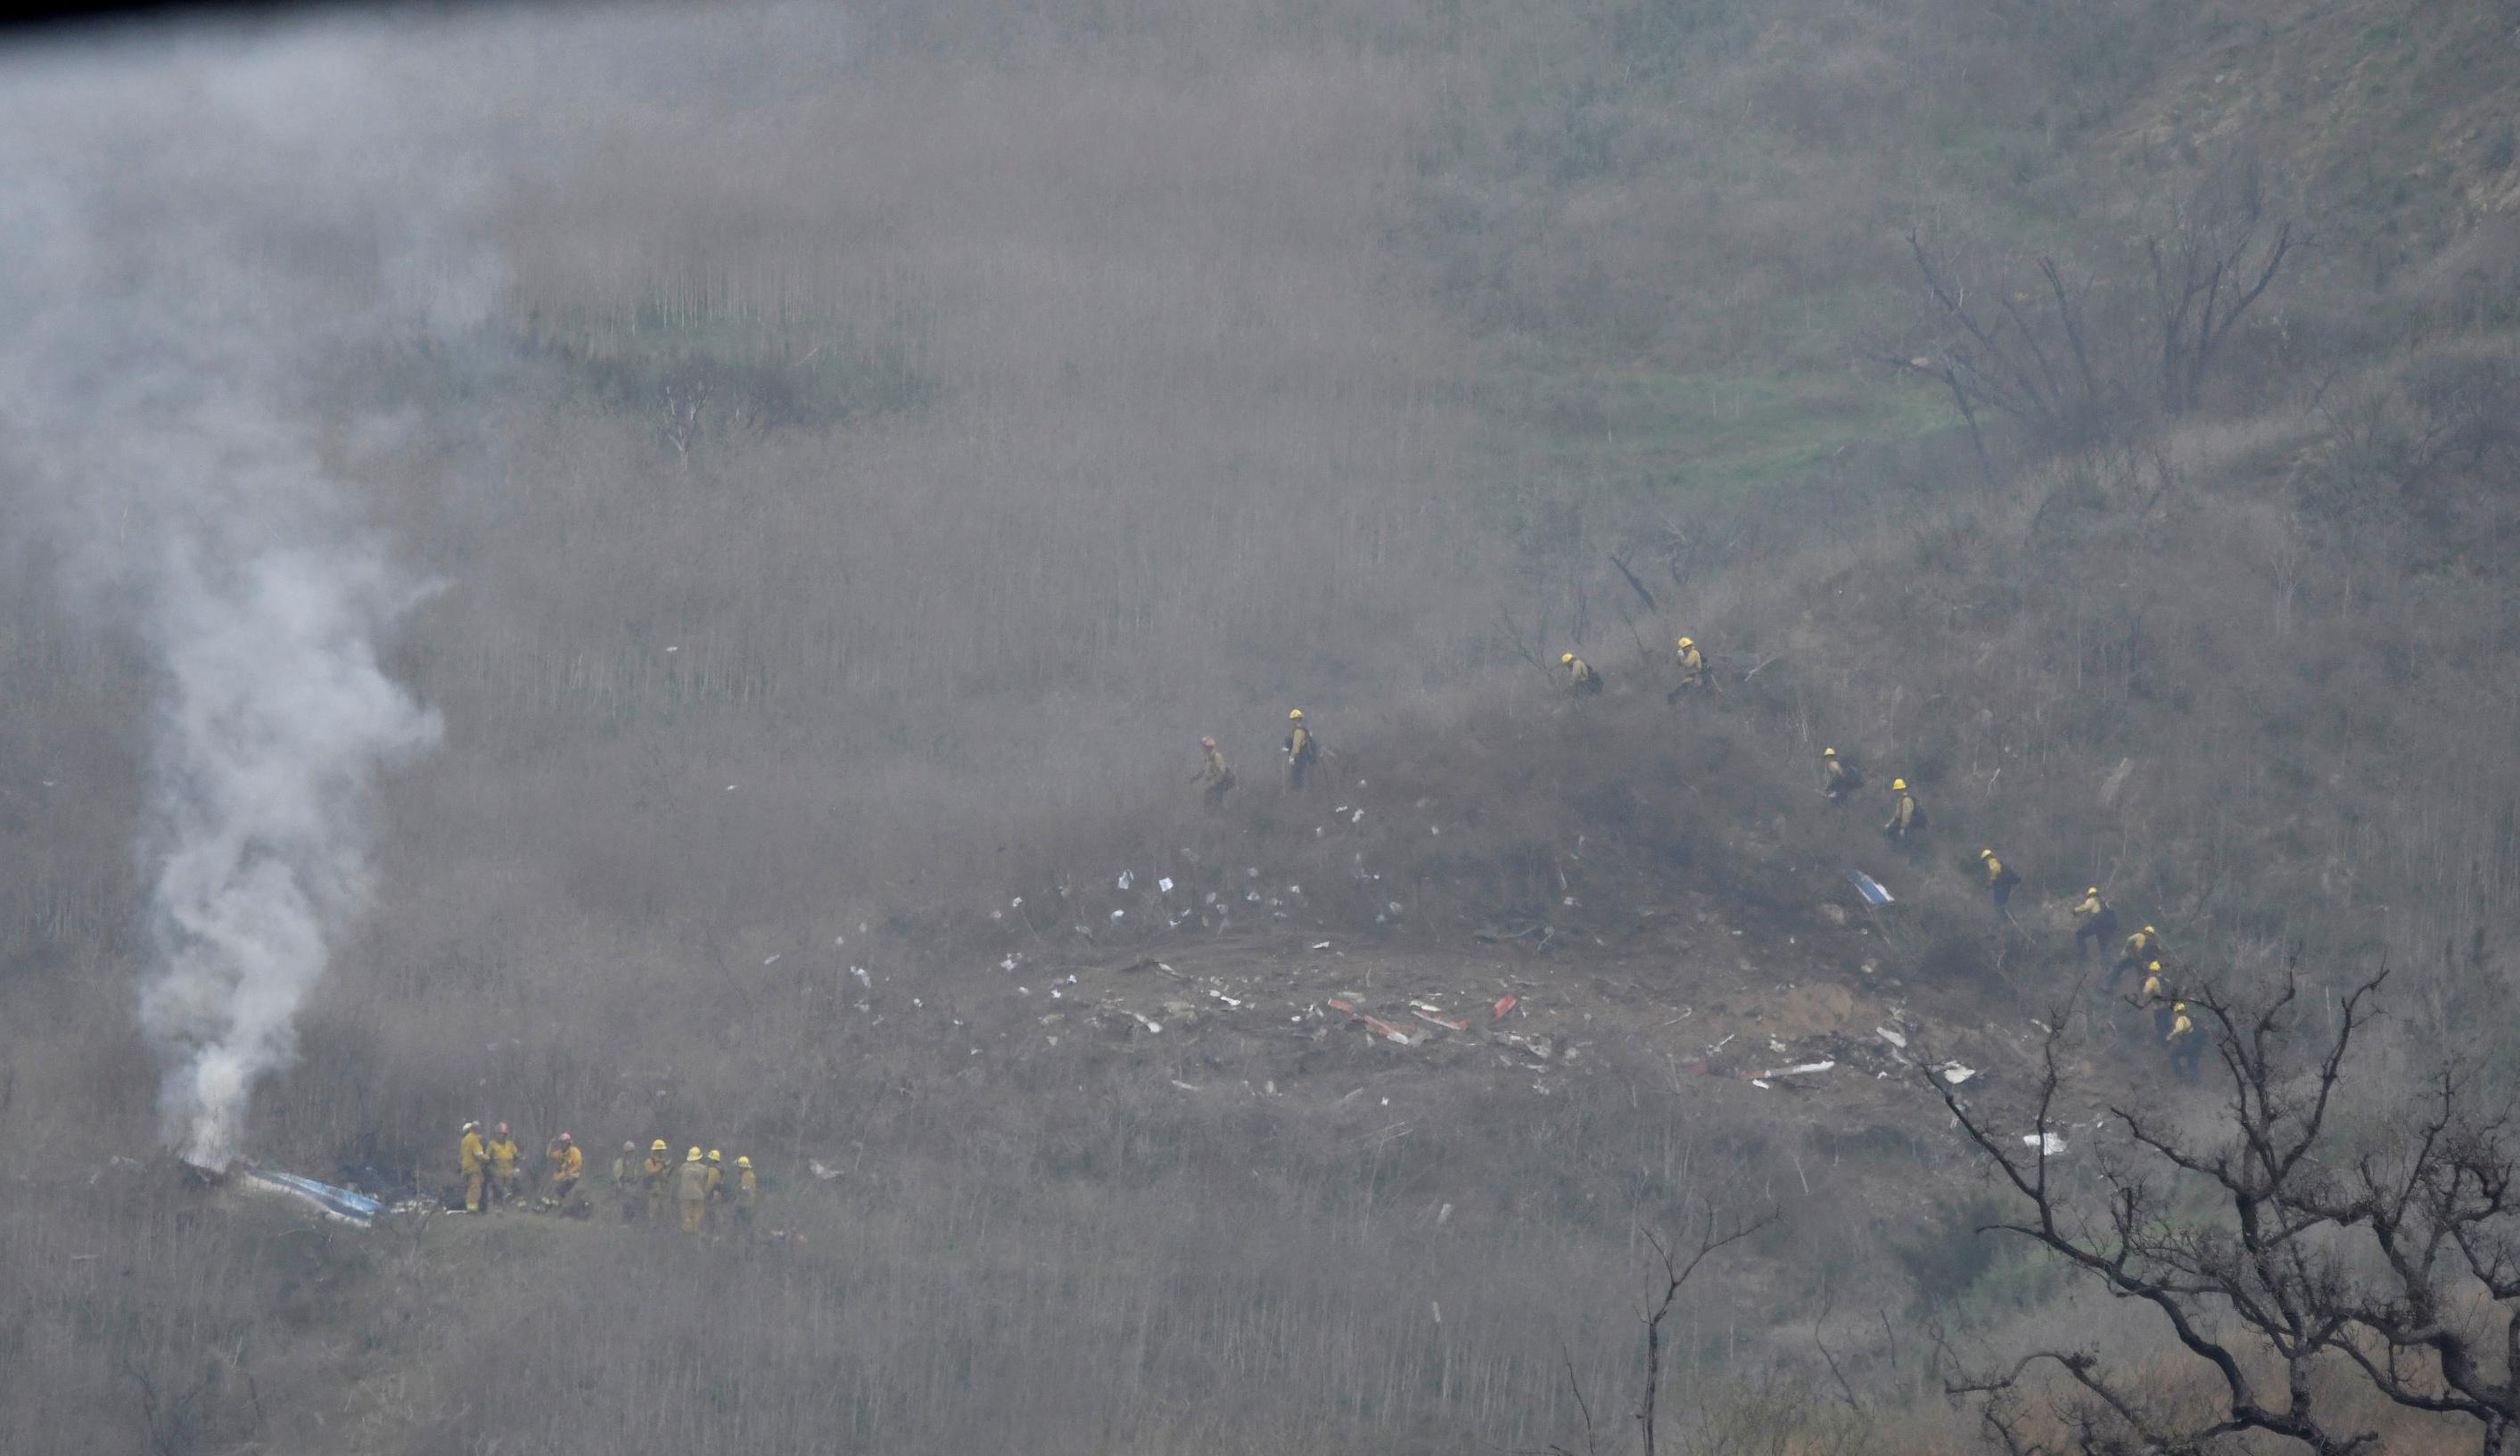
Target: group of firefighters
(494, 1172)
(712, 1200)
(2095, 920)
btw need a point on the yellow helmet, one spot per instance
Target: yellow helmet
(2155, 967)
(2094, 889)
(1686, 643)
(694, 1156)
(657, 1146)
(1828, 753)
(744, 1161)
(1565, 657)
(1207, 742)
(1900, 784)
(1986, 854)
(2148, 930)
(713, 1155)
(2181, 1007)
(1294, 714)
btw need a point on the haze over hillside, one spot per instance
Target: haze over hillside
(660, 573)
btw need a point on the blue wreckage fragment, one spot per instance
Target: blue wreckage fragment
(1868, 887)
(332, 1202)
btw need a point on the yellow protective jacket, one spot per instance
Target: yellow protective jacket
(692, 1185)
(2141, 948)
(655, 1169)
(1299, 744)
(2154, 992)
(1995, 873)
(2182, 1027)
(715, 1186)
(748, 1190)
(1903, 818)
(1692, 667)
(1214, 771)
(470, 1154)
(567, 1159)
(2092, 905)
(503, 1157)
(1580, 675)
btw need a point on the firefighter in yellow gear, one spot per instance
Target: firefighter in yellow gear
(1213, 777)
(625, 1181)
(2142, 945)
(1692, 665)
(503, 1166)
(473, 1158)
(691, 1191)
(567, 1165)
(2186, 1046)
(1302, 749)
(2159, 997)
(1581, 680)
(748, 1198)
(2095, 922)
(1837, 777)
(1904, 818)
(2000, 880)
(656, 1171)
(715, 1192)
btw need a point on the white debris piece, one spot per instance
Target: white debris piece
(1164, 886)
(1955, 1074)
(1125, 878)
(774, 960)
(2047, 1143)
(1321, 945)
(815, 1165)
(1184, 1086)
(1119, 914)
(1898, 1039)
(1357, 818)
(1805, 1069)
(864, 980)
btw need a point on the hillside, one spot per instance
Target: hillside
(816, 478)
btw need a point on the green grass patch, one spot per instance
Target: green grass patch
(1703, 439)
(798, 369)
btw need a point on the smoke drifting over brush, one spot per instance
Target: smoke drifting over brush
(193, 242)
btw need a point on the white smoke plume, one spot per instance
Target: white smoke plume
(195, 231)
(276, 719)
